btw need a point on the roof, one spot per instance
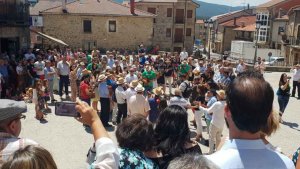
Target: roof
(97, 7)
(270, 3)
(224, 15)
(168, 1)
(45, 4)
(200, 21)
(247, 28)
(246, 20)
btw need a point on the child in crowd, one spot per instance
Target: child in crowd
(38, 100)
(46, 94)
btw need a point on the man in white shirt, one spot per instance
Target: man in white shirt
(260, 65)
(217, 122)
(138, 104)
(241, 67)
(179, 100)
(63, 68)
(130, 91)
(131, 76)
(39, 68)
(296, 80)
(246, 118)
(29, 55)
(121, 100)
(183, 55)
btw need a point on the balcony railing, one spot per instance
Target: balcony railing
(294, 41)
(12, 14)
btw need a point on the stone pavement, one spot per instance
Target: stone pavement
(68, 141)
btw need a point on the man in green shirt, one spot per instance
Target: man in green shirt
(148, 77)
(184, 68)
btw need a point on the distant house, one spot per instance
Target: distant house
(200, 31)
(291, 46)
(95, 23)
(271, 14)
(14, 25)
(217, 38)
(174, 26)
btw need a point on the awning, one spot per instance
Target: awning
(50, 37)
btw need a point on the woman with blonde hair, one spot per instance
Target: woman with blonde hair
(30, 157)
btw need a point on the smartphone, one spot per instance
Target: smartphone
(66, 109)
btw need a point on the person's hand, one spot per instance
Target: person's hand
(88, 114)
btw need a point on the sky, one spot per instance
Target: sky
(236, 2)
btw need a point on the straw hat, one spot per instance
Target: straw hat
(120, 81)
(158, 91)
(134, 83)
(85, 72)
(82, 64)
(139, 88)
(221, 94)
(177, 92)
(101, 77)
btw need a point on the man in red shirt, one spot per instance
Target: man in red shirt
(84, 89)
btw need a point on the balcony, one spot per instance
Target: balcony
(294, 41)
(244, 38)
(14, 15)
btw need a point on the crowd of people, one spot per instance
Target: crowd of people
(147, 98)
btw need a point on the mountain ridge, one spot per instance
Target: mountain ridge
(207, 10)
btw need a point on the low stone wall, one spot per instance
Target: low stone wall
(268, 68)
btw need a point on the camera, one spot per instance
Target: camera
(289, 77)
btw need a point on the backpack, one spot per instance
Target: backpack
(187, 91)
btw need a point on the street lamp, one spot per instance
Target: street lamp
(208, 24)
(257, 26)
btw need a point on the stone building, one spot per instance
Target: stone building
(174, 26)
(98, 23)
(237, 28)
(291, 45)
(271, 16)
(200, 31)
(14, 25)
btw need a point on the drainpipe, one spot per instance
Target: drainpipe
(173, 28)
(184, 25)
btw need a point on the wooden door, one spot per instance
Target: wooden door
(178, 35)
(179, 16)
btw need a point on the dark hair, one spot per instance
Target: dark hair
(281, 81)
(172, 131)
(30, 157)
(250, 101)
(135, 133)
(162, 104)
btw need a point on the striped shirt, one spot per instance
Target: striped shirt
(9, 144)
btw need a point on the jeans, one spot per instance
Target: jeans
(63, 82)
(283, 101)
(296, 84)
(105, 110)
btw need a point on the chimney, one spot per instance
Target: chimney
(64, 8)
(132, 7)
(234, 21)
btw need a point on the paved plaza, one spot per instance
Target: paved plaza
(68, 141)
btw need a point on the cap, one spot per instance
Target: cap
(11, 108)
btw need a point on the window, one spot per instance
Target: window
(179, 16)
(188, 32)
(169, 12)
(87, 26)
(89, 44)
(189, 13)
(243, 33)
(168, 32)
(152, 10)
(264, 18)
(112, 26)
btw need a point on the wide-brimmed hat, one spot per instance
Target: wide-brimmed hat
(11, 108)
(120, 81)
(85, 72)
(101, 77)
(158, 91)
(82, 64)
(139, 88)
(134, 83)
(298, 65)
(221, 94)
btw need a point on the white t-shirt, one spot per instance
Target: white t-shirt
(29, 56)
(138, 104)
(183, 55)
(39, 67)
(180, 101)
(64, 68)
(296, 75)
(218, 113)
(129, 78)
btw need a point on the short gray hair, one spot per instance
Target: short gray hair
(192, 161)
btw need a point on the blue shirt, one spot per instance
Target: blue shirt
(153, 114)
(48, 70)
(4, 70)
(103, 90)
(110, 63)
